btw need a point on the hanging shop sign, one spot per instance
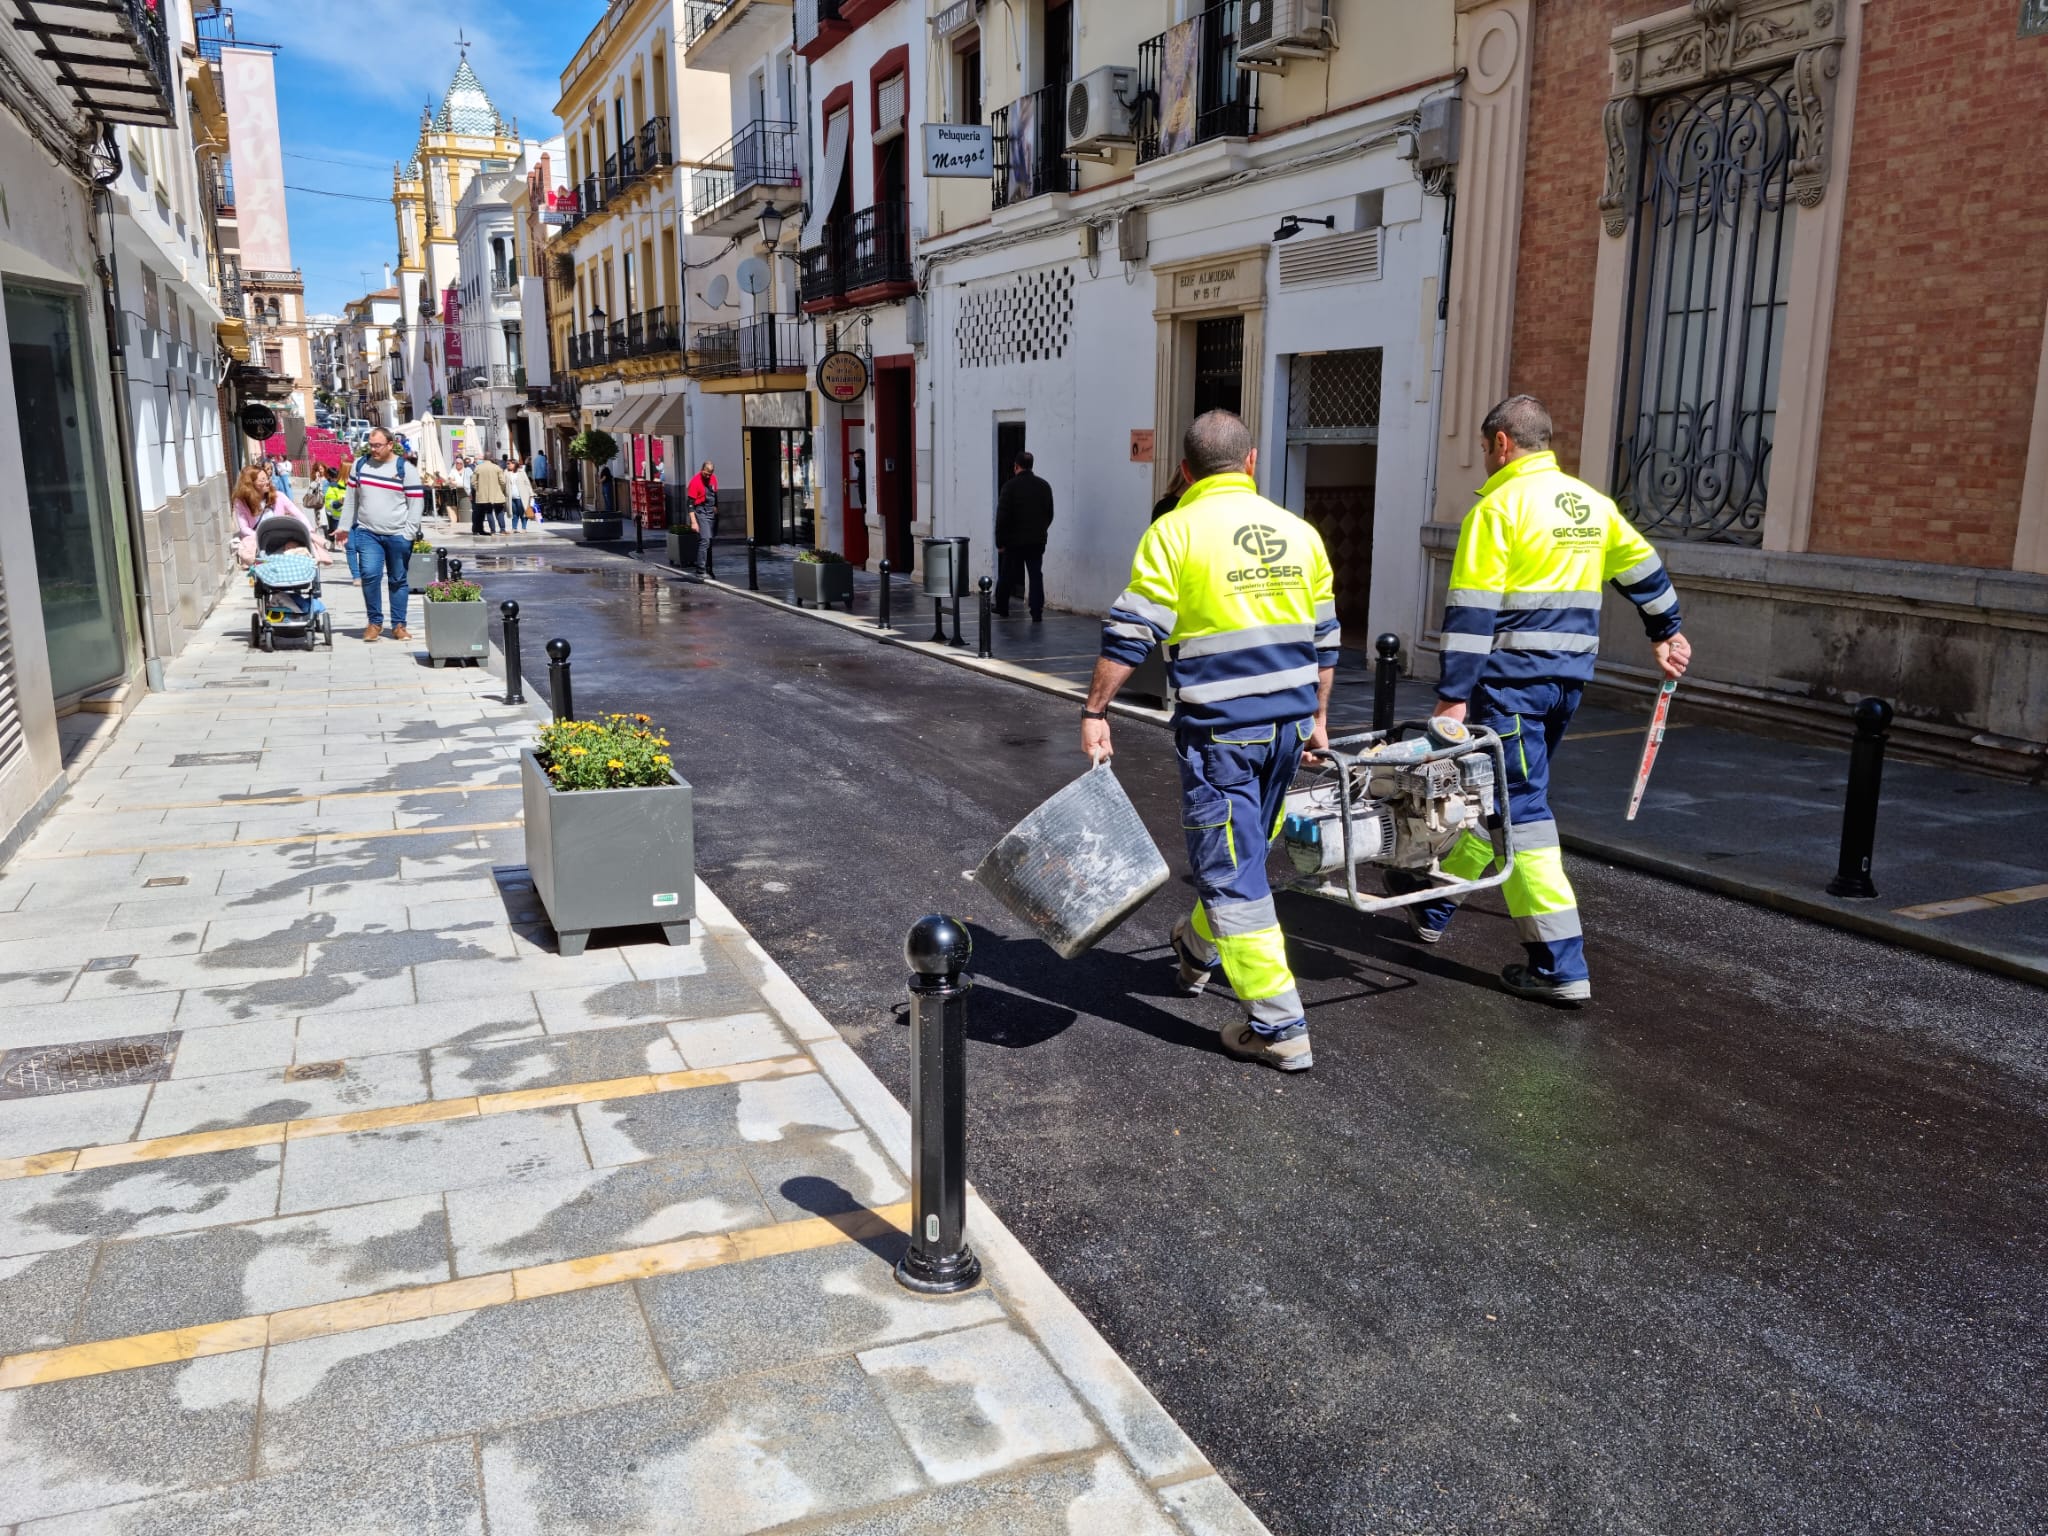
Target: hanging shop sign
(842, 376)
(959, 149)
(258, 421)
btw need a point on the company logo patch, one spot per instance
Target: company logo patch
(1262, 542)
(1574, 506)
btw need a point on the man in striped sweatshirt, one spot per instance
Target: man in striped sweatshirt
(1521, 631)
(1240, 593)
(381, 512)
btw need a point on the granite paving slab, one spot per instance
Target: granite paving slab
(83, 1119)
(139, 1199)
(284, 1093)
(334, 1033)
(539, 1061)
(627, 1130)
(422, 1159)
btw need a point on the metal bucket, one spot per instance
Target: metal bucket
(1078, 865)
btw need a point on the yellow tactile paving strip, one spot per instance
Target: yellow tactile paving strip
(444, 1297)
(277, 842)
(277, 1132)
(1983, 903)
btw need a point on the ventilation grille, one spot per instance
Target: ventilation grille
(1332, 259)
(1027, 319)
(11, 736)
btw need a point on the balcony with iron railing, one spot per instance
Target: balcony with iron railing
(763, 168)
(863, 260)
(652, 150)
(1030, 147)
(821, 272)
(111, 59)
(1210, 99)
(650, 333)
(589, 349)
(229, 278)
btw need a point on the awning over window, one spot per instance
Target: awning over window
(838, 135)
(666, 418)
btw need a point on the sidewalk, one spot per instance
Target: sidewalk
(1961, 863)
(333, 1199)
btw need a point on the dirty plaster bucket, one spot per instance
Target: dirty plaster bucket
(1078, 865)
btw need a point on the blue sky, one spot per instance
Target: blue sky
(352, 76)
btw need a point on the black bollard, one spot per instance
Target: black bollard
(753, 565)
(639, 533)
(558, 680)
(455, 570)
(515, 691)
(441, 563)
(939, 1260)
(882, 617)
(1384, 677)
(1859, 811)
(987, 647)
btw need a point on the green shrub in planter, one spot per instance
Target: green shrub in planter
(610, 829)
(420, 566)
(823, 577)
(458, 625)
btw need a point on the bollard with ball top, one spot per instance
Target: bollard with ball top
(882, 615)
(1859, 808)
(515, 692)
(559, 697)
(938, 1260)
(1386, 675)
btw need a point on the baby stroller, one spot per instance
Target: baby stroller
(287, 582)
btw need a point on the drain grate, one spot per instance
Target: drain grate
(155, 881)
(111, 963)
(34, 1071)
(308, 1071)
(216, 759)
(240, 682)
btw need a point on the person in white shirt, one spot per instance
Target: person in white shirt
(519, 491)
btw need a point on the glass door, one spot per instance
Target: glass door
(69, 500)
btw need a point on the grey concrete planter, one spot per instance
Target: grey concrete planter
(419, 571)
(682, 547)
(458, 632)
(610, 858)
(599, 529)
(823, 584)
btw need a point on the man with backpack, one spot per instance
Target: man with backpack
(381, 511)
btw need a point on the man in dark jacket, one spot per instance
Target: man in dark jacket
(1023, 518)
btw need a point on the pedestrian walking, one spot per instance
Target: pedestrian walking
(333, 489)
(540, 466)
(1521, 631)
(1023, 521)
(605, 493)
(701, 494)
(486, 497)
(381, 513)
(1240, 590)
(519, 493)
(281, 475)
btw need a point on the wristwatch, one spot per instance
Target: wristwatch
(1094, 714)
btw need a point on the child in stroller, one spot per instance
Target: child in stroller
(287, 582)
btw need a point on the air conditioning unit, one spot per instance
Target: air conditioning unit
(1270, 32)
(1102, 113)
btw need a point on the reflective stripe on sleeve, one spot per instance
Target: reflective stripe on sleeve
(1663, 602)
(1477, 643)
(1475, 597)
(1642, 570)
(1240, 687)
(1246, 639)
(1130, 631)
(1325, 612)
(1157, 615)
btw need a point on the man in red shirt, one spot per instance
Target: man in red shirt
(702, 496)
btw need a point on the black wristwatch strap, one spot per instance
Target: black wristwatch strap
(1094, 714)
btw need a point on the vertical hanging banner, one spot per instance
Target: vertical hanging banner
(451, 330)
(1180, 72)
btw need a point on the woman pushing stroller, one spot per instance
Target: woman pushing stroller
(257, 497)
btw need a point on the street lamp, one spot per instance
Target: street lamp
(771, 225)
(597, 316)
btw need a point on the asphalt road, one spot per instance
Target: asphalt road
(1755, 1243)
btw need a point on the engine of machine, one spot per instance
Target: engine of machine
(1405, 812)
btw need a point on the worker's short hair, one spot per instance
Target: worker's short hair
(1216, 443)
(1523, 418)
(1024, 460)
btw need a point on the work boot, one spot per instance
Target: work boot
(1401, 882)
(1192, 978)
(1288, 1053)
(400, 632)
(372, 632)
(1524, 982)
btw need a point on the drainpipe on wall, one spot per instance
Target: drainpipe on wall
(124, 426)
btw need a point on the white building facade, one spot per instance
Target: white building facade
(1265, 240)
(487, 381)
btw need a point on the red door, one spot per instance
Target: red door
(853, 487)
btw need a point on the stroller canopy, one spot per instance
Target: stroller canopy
(280, 531)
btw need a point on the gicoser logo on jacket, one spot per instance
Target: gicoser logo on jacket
(1267, 548)
(1579, 510)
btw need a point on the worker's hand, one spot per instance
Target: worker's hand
(1318, 739)
(1674, 656)
(1449, 709)
(1095, 741)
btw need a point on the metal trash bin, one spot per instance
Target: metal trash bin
(945, 567)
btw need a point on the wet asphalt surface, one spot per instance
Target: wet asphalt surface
(1755, 1243)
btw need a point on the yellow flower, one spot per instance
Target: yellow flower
(579, 751)
(661, 759)
(615, 763)
(643, 719)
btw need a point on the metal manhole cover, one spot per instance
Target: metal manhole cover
(83, 1065)
(216, 759)
(309, 1070)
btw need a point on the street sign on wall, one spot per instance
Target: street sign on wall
(959, 149)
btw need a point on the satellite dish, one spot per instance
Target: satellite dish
(719, 289)
(753, 275)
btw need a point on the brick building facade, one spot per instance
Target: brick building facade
(1785, 294)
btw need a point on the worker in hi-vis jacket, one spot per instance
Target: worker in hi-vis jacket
(1239, 592)
(1521, 631)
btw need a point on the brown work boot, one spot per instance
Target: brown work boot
(400, 632)
(1289, 1054)
(372, 632)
